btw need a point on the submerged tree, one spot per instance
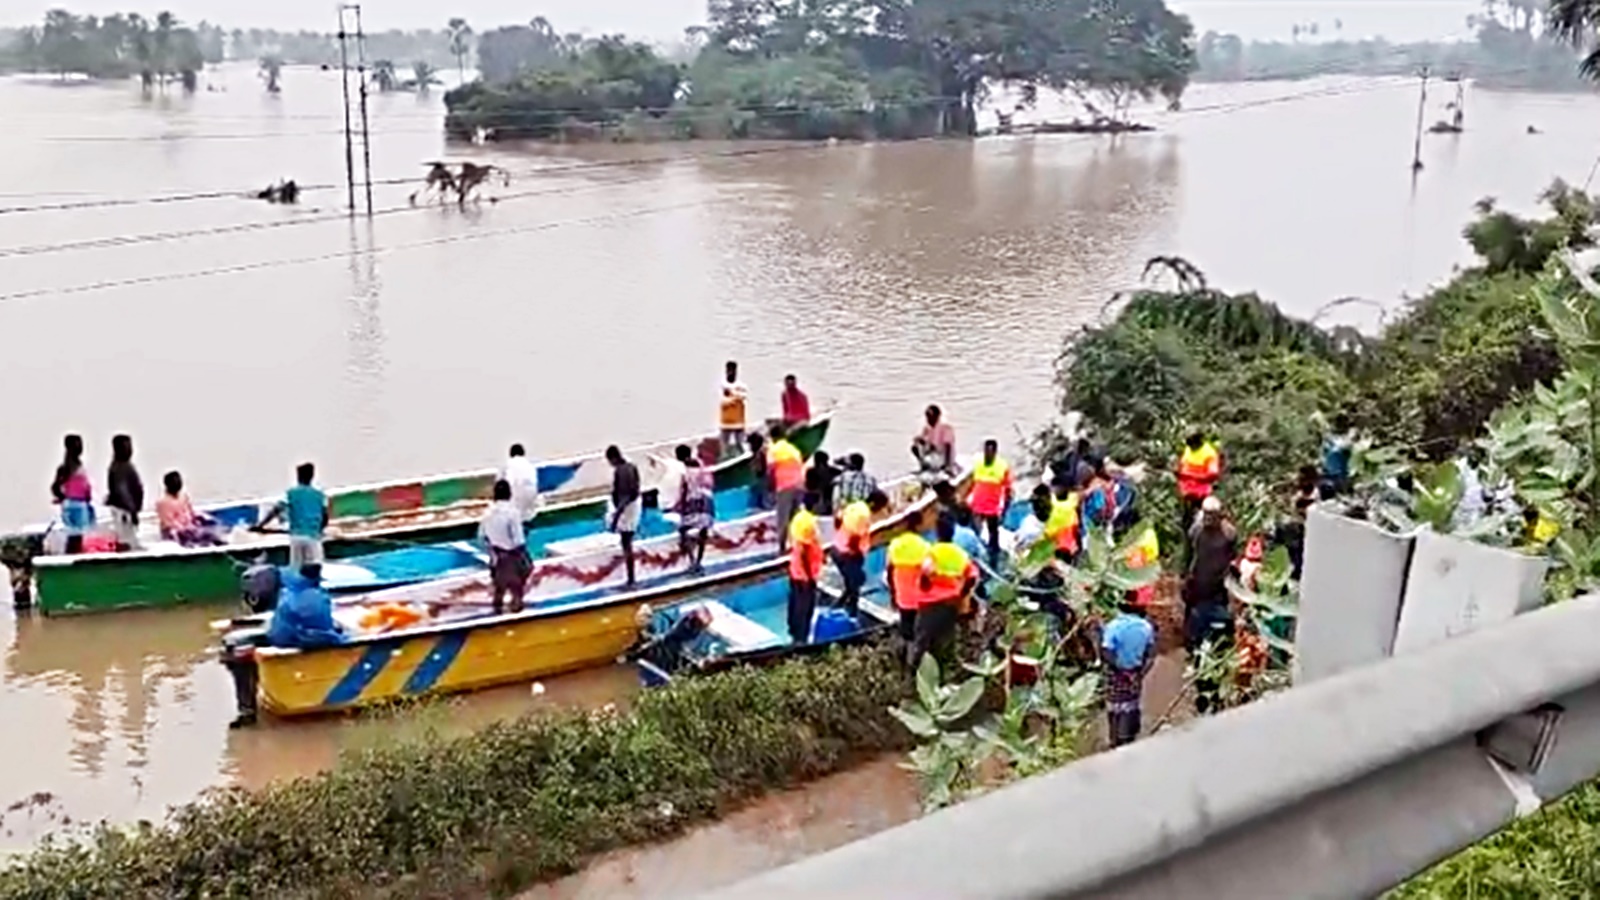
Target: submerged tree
(423, 77)
(460, 44)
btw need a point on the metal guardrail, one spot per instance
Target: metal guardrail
(1340, 788)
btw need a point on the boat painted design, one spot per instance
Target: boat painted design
(367, 519)
(749, 626)
(579, 615)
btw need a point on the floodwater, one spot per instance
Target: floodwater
(595, 302)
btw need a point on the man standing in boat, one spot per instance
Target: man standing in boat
(852, 541)
(734, 395)
(509, 564)
(523, 476)
(306, 510)
(805, 568)
(794, 403)
(786, 467)
(626, 504)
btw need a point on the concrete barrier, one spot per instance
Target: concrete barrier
(1341, 788)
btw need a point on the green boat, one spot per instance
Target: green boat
(365, 519)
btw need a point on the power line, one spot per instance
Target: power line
(195, 196)
(347, 254)
(126, 240)
(163, 236)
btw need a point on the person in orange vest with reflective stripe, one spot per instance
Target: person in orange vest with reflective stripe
(805, 567)
(786, 468)
(1199, 468)
(992, 486)
(851, 541)
(948, 578)
(907, 554)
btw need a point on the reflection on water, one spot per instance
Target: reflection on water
(595, 303)
(119, 716)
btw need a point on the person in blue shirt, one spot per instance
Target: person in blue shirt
(1128, 647)
(304, 619)
(1337, 448)
(306, 510)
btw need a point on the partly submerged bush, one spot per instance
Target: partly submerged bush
(500, 808)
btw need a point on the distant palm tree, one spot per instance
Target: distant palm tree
(271, 71)
(1577, 22)
(383, 75)
(460, 44)
(423, 76)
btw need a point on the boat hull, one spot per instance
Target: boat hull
(442, 510)
(579, 617)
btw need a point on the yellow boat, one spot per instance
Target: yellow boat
(579, 615)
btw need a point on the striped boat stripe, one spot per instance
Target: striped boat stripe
(437, 662)
(361, 674)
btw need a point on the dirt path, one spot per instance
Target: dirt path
(769, 833)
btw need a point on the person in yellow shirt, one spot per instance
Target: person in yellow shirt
(805, 569)
(851, 541)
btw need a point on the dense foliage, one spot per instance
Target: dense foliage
(854, 68)
(1264, 384)
(1517, 46)
(497, 809)
(592, 82)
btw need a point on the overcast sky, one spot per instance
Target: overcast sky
(666, 19)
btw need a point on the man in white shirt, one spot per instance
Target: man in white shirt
(732, 411)
(509, 565)
(523, 476)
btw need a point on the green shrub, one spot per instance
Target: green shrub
(1551, 854)
(497, 809)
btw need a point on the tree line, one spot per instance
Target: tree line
(1515, 46)
(831, 68)
(158, 50)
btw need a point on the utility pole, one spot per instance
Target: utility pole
(1422, 112)
(361, 88)
(349, 151)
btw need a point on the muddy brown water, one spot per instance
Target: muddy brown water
(595, 302)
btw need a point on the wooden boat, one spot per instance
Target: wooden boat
(579, 615)
(417, 563)
(748, 626)
(365, 519)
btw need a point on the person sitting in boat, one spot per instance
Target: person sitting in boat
(179, 521)
(934, 447)
(304, 617)
(666, 650)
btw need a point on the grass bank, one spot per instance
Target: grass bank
(497, 810)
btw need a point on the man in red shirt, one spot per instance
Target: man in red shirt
(796, 405)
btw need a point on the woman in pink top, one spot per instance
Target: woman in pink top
(179, 521)
(72, 491)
